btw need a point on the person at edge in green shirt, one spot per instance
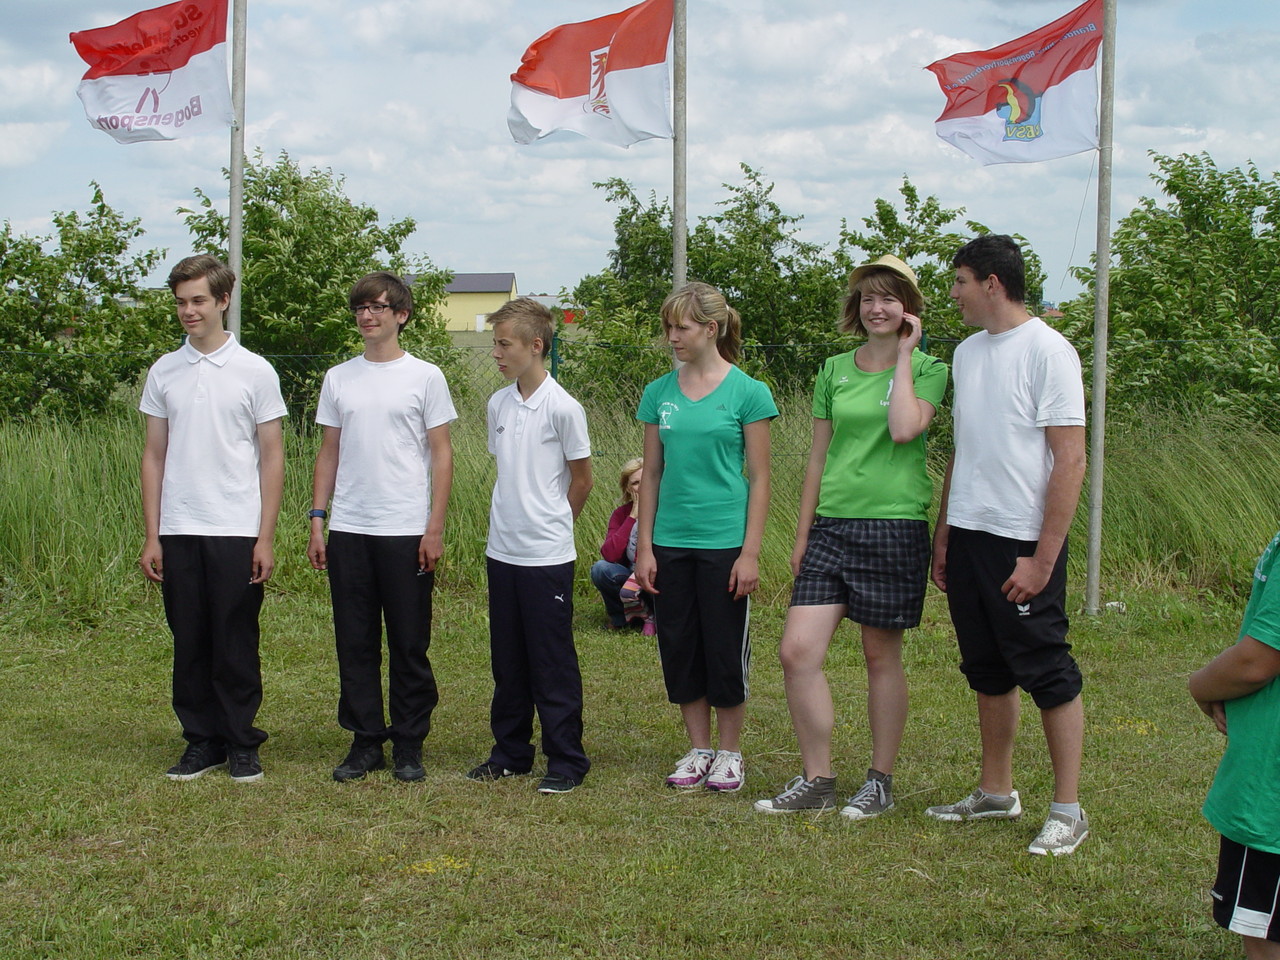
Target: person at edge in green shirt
(1239, 690)
(862, 540)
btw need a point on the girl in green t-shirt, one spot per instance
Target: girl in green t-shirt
(700, 526)
(862, 541)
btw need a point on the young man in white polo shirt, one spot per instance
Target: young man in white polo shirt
(386, 461)
(212, 479)
(538, 433)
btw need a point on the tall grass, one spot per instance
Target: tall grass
(1190, 498)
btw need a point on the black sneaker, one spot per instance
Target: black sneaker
(197, 760)
(244, 765)
(491, 770)
(360, 760)
(406, 762)
(555, 783)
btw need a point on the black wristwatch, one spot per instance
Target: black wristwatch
(318, 514)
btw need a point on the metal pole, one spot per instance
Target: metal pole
(679, 153)
(235, 226)
(1101, 312)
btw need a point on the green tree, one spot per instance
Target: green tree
(75, 323)
(1195, 292)
(305, 244)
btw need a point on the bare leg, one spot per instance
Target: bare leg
(697, 722)
(803, 650)
(729, 721)
(886, 694)
(1255, 948)
(1064, 731)
(998, 724)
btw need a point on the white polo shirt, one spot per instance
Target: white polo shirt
(214, 404)
(1008, 387)
(384, 460)
(530, 523)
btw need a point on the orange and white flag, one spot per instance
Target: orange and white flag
(159, 74)
(605, 79)
(1034, 98)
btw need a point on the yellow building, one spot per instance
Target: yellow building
(473, 296)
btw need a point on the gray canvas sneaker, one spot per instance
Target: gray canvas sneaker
(875, 798)
(979, 806)
(1060, 834)
(801, 794)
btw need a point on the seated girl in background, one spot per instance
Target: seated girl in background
(618, 552)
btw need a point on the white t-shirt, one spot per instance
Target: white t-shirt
(214, 403)
(1008, 387)
(384, 460)
(530, 523)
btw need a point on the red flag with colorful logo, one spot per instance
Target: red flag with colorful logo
(1034, 98)
(159, 74)
(605, 79)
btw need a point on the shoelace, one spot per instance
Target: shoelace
(793, 789)
(871, 790)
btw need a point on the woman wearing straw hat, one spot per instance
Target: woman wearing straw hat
(862, 540)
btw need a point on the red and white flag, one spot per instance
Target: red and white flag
(158, 75)
(1034, 98)
(605, 79)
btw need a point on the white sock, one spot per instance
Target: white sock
(1070, 809)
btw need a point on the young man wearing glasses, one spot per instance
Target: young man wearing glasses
(386, 463)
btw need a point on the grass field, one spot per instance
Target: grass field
(102, 857)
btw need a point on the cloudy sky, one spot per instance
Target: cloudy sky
(407, 100)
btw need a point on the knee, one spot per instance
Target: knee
(798, 655)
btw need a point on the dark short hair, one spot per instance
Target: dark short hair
(222, 279)
(997, 254)
(373, 285)
(529, 320)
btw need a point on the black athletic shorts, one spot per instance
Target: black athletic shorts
(1246, 892)
(1004, 644)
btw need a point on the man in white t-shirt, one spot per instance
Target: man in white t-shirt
(386, 462)
(538, 435)
(212, 479)
(1000, 547)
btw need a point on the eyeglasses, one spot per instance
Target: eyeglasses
(375, 309)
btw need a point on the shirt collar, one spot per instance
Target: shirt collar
(218, 358)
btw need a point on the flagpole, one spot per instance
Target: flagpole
(1101, 311)
(235, 225)
(679, 153)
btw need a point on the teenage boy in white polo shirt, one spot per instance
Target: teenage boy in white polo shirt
(212, 479)
(538, 433)
(387, 463)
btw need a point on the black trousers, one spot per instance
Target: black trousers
(535, 667)
(212, 609)
(371, 580)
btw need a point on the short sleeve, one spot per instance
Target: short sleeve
(822, 390)
(152, 402)
(758, 403)
(438, 408)
(268, 402)
(327, 414)
(1060, 394)
(930, 379)
(571, 427)
(648, 412)
(491, 417)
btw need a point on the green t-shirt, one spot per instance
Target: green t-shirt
(1244, 802)
(703, 498)
(867, 476)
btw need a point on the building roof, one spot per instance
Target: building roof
(481, 283)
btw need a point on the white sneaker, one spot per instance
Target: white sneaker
(726, 774)
(1060, 834)
(691, 770)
